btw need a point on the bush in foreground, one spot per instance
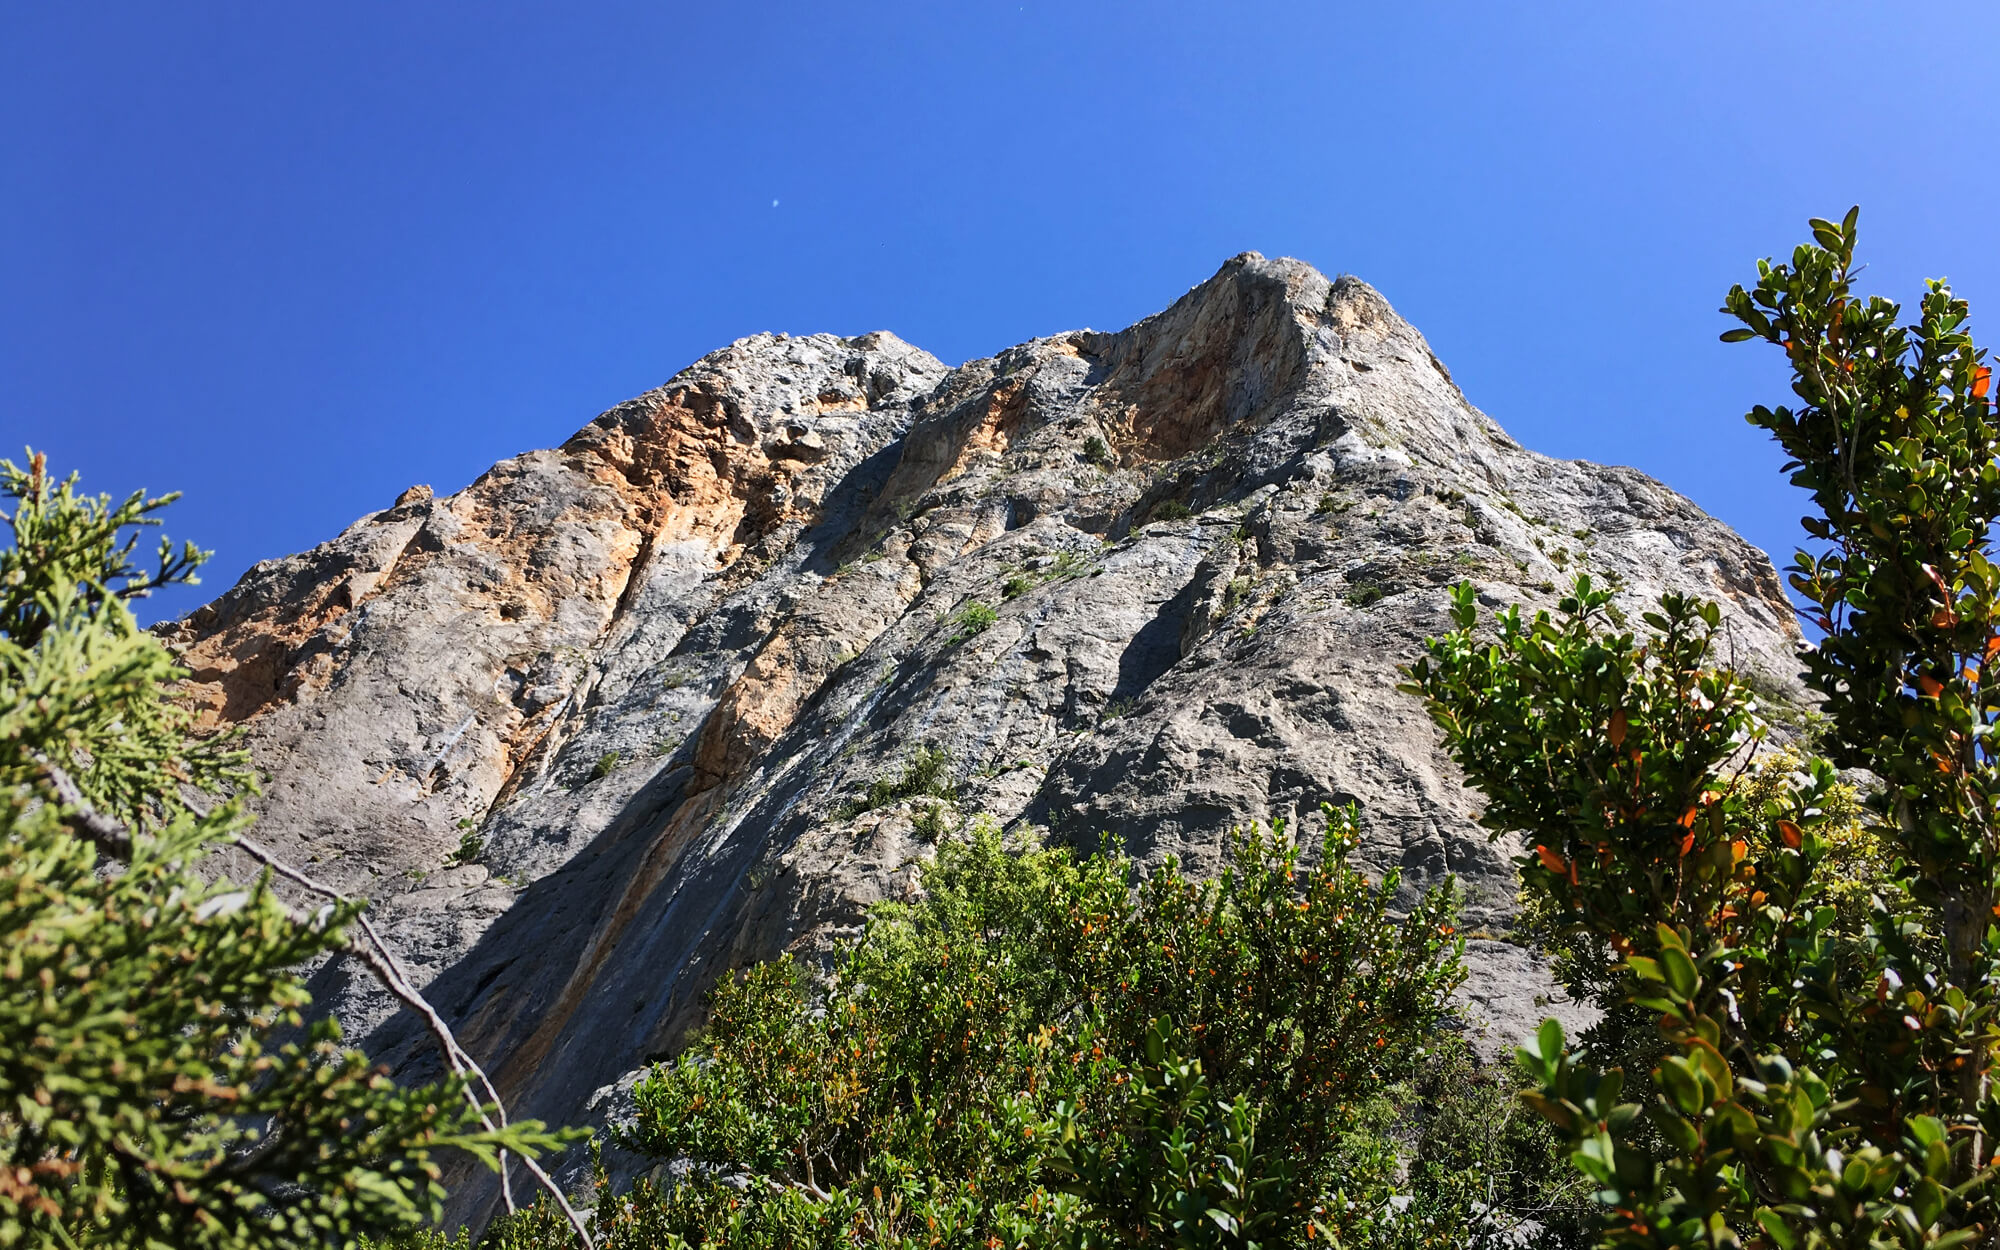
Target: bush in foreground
(1782, 1076)
(1043, 1051)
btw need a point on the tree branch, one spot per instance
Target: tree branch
(110, 837)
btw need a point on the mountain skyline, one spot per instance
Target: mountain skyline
(293, 263)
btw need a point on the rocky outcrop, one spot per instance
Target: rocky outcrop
(599, 727)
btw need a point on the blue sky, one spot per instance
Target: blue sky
(292, 259)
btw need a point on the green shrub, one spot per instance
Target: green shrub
(1237, 593)
(1178, 1164)
(470, 846)
(1171, 510)
(927, 772)
(933, 822)
(604, 765)
(1043, 1052)
(1095, 451)
(1066, 564)
(1800, 991)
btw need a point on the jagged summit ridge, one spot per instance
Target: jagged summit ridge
(649, 672)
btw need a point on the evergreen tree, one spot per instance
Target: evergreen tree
(159, 1084)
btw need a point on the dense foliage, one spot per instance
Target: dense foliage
(1043, 1051)
(1811, 1054)
(1038, 1052)
(157, 1085)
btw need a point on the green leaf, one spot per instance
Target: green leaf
(1680, 1134)
(1549, 1109)
(1596, 1159)
(1927, 1199)
(1548, 1043)
(1778, 1230)
(1678, 1078)
(1709, 1061)
(1680, 972)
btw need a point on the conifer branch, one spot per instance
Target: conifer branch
(114, 840)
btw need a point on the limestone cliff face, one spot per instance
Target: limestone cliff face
(650, 671)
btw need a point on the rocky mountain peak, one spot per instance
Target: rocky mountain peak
(622, 715)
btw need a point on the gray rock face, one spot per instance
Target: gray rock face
(593, 730)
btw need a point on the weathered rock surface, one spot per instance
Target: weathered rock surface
(591, 729)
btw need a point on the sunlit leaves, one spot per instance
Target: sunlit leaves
(1821, 986)
(1046, 1048)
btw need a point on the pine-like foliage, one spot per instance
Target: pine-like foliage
(158, 1084)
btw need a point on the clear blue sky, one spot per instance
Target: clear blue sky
(291, 259)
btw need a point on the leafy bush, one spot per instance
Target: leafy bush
(933, 822)
(1810, 1051)
(1180, 1165)
(926, 773)
(1067, 564)
(159, 1086)
(1237, 593)
(470, 845)
(1040, 1052)
(1171, 510)
(1479, 1149)
(1096, 451)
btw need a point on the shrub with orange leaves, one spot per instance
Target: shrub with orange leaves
(1804, 990)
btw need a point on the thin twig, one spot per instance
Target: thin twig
(113, 839)
(380, 960)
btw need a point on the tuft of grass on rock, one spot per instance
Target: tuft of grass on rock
(927, 773)
(470, 845)
(974, 618)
